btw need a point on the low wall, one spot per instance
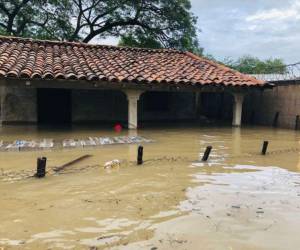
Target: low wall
(261, 107)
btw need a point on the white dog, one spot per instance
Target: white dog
(112, 164)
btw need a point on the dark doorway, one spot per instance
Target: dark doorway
(54, 106)
(156, 101)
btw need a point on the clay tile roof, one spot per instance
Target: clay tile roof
(39, 59)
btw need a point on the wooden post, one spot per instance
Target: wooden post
(264, 148)
(41, 167)
(140, 155)
(275, 121)
(297, 123)
(207, 153)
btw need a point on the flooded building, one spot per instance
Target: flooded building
(49, 82)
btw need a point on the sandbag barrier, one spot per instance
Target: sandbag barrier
(49, 144)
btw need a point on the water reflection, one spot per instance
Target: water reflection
(236, 141)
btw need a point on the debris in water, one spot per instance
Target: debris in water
(44, 144)
(71, 143)
(118, 128)
(57, 169)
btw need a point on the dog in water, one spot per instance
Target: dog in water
(112, 164)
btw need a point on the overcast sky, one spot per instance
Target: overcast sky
(262, 28)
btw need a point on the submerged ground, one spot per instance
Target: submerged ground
(238, 200)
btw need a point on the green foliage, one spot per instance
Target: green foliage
(46, 19)
(253, 65)
(142, 23)
(171, 24)
(140, 40)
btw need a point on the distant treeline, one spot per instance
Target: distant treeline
(253, 65)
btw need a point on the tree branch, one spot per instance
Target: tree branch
(11, 16)
(109, 26)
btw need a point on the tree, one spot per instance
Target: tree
(151, 23)
(35, 18)
(173, 27)
(253, 65)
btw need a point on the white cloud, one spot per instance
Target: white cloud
(232, 28)
(292, 12)
(262, 28)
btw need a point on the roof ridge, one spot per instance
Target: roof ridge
(222, 66)
(74, 43)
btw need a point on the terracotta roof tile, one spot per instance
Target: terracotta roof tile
(27, 58)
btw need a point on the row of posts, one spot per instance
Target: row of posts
(209, 149)
(42, 161)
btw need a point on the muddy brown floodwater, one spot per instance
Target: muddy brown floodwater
(237, 200)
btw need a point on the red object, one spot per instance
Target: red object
(118, 128)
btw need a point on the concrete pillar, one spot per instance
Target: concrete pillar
(237, 109)
(133, 96)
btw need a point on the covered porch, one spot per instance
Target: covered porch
(51, 102)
